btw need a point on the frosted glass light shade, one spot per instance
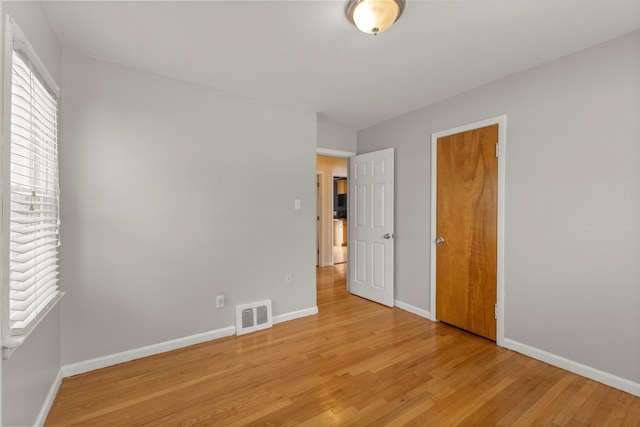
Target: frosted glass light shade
(374, 16)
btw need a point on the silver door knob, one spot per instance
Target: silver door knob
(440, 240)
(388, 236)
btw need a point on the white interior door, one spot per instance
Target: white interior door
(371, 226)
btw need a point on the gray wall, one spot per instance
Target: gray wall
(30, 372)
(572, 201)
(174, 192)
(336, 136)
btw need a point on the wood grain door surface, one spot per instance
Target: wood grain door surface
(466, 206)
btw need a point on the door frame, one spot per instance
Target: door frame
(344, 155)
(333, 195)
(318, 219)
(501, 121)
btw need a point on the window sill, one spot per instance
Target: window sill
(12, 342)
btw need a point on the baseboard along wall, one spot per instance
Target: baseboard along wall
(412, 309)
(575, 367)
(150, 350)
(106, 361)
(48, 402)
(550, 358)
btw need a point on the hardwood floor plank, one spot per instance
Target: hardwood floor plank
(536, 411)
(588, 409)
(619, 410)
(354, 363)
(565, 414)
(632, 417)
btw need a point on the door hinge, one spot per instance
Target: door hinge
(495, 311)
(497, 149)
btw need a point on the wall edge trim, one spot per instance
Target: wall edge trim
(295, 315)
(140, 352)
(153, 349)
(575, 367)
(48, 401)
(413, 309)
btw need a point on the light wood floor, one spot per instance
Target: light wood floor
(339, 254)
(355, 363)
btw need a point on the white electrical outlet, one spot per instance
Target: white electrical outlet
(220, 301)
(288, 278)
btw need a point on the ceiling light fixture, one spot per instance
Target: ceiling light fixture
(374, 16)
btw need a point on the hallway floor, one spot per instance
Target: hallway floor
(339, 254)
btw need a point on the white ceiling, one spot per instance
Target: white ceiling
(305, 54)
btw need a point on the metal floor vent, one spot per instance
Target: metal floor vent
(253, 317)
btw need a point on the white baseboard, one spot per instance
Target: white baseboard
(150, 350)
(550, 358)
(48, 401)
(412, 309)
(575, 367)
(295, 315)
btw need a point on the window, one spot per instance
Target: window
(31, 195)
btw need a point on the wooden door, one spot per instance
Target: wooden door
(466, 230)
(371, 205)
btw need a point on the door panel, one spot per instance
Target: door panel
(378, 205)
(359, 251)
(378, 167)
(359, 207)
(378, 265)
(466, 206)
(371, 254)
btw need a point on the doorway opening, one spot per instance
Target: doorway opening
(332, 209)
(340, 224)
(370, 235)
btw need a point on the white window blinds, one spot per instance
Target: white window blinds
(34, 238)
